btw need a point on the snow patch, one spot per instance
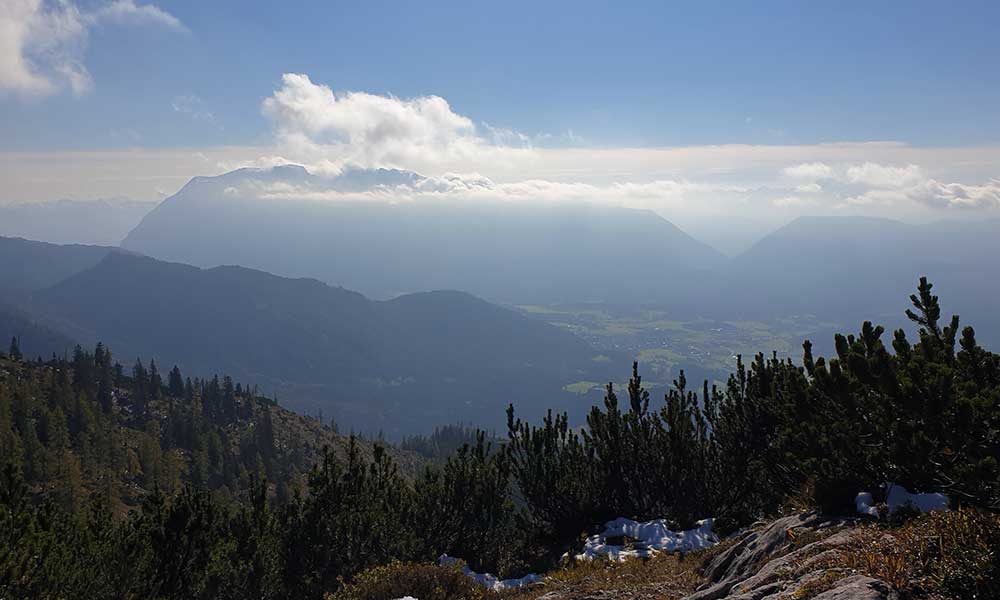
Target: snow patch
(865, 504)
(899, 497)
(648, 538)
(490, 580)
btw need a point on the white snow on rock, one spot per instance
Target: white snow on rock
(648, 538)
(406, 598)
(899, 497)
(490, 580)
(865, 504)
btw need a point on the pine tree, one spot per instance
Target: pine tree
(105, 378)
(155, 381)
(15, 348)
(229, 412)
(140, 389)
(175, 383)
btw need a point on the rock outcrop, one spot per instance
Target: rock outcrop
(792, 557)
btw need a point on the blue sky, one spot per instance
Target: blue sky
(728, 109)
(642, 74)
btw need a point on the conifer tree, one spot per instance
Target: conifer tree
(155, 381)
(175, 383)
(105, 378)
(140, 389)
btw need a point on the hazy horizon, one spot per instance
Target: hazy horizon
(728, 136)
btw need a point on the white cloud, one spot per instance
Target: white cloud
(957, 195)
(329, 130)
(932, 194)
(42, 42)
(652, 195)
(873, 185)
(127, 12)
(884, 176)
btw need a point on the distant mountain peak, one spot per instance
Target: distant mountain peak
(293, 223)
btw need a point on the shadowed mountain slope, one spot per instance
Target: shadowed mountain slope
(404, 364)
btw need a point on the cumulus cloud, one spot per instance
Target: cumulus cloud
(884, 176)
(889, 186)
(957, 195)
(871, 185)
(331, 130)
(42, 42)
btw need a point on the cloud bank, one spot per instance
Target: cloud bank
(42, 42)
(330, 131)
(727, 195)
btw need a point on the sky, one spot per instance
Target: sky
(707, 112)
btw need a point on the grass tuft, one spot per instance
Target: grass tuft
(947, 554)
(423, 581)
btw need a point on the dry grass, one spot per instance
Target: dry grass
(663, 576)
(817, 586)
(423, 581)
(954, 554)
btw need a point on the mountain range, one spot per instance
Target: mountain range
(289, 222)
(401, 354)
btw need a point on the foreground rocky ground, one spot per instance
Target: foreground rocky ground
(791, 557)
(935, 556)
(795, 557)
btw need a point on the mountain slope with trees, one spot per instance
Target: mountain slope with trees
(88, 429)
(403, 365)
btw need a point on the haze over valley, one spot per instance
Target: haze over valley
(564, 271)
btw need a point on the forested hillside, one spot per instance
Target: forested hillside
(402, 365)
(922, 413)
(88, 429)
